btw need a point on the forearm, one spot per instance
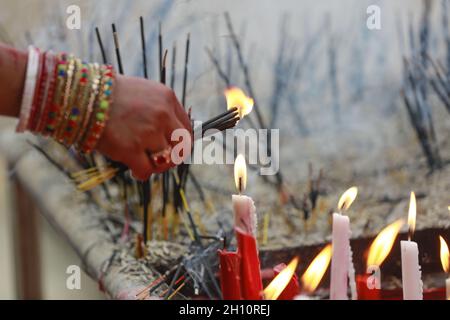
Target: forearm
(13, 64)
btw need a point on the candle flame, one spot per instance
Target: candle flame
(279, 283)
(240, 173)
(445, 255)
(347, 198)
(412, 215)
(383, 243)
(316, 270)
(236, 98)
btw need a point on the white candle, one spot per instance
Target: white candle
(340, 260)
(411, 274)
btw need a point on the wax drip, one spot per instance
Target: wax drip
(420, 282)
(351, 274)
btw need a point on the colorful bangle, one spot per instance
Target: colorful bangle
(29, 88)
(77, 104)
(67, 91)
(92, 96)
(56, 103)
(101, 110)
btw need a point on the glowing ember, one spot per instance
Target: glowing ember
(236, 98)
(383, 243)
(240, 173)
(316, 270)
(347, 198)
(279, 283)
(445, 256)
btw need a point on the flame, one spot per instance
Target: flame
(279, 283)
(412, 215)
(383, 243)
(445, 256)
(236, 98)
(240, 173)
(347, 198)
(312, 276)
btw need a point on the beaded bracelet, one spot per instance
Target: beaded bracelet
(77, 104)
(29, 88)
(101, 111)
(90, 100)
(56, 102)
(71, 92)
(63, 114)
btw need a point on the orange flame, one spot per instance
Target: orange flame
(279, 283)
(347, 198)
(316, 270)
(383, 243)
(445, 255)
(236, 98)
(240, 173)
(412, 215)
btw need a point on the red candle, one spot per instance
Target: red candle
(251, 283)
(293, 287)
(230, 281)
(364, 292)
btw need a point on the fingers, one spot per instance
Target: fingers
(157, 146)
(140, 166)
(180, 113)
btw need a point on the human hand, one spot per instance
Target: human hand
(143, 115)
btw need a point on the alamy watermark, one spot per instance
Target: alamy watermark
(73, 281)
(260, 146)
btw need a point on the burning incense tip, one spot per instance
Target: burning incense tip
(236, 98)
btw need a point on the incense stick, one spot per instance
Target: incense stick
(117, 48)
(172, 73)
(100, 43)
(144, 51)
(186, 60)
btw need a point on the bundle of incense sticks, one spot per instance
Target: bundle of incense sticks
(226, 120)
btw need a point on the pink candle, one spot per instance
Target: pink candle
(340, 257)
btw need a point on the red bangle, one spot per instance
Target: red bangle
(50, 94)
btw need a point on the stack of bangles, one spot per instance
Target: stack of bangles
(65, 98)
